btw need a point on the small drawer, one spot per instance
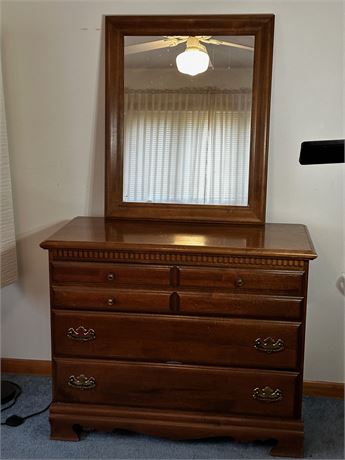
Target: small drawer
(233, 342)
(210, 303)
(109, 274)
(176, 387)
(86, 298)
(243, 280)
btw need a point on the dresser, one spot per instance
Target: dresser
(182, 313)
(180, 330)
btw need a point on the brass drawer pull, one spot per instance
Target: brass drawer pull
(110, 276)
(82, 382)
(81, 334)
(269, 345)
(110, 301)
(267, 394)
(239, 282)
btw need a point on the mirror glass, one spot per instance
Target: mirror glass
(187, 137)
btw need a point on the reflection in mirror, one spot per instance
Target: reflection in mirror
(187, 137)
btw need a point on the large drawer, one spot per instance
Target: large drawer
(109, 274)
(282, 281)
(77, 297)
(232, 342)
(195, 388)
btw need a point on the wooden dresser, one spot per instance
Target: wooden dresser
(179, 330)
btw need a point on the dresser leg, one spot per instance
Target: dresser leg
(62, 430)
(289, 445)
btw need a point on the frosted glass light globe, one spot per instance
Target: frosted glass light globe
(192, 61)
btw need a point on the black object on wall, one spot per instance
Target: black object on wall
(322, 152)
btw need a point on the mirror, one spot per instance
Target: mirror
(187, 137)
(187, 117)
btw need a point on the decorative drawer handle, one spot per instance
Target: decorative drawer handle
(82, 382)
(269, 345)
(267, 394)
(110, 301)
(239, 282)
(81, 334)
(110, 276)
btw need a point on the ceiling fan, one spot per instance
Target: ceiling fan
(195, 59)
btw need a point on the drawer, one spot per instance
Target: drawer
(76, 297)
(109, 274)
(176, 387)
(210, 303)
(206, 303)
(282, 281)
(157, 338)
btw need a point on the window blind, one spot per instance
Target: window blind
(187, 147)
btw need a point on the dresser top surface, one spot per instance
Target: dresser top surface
(290, 240)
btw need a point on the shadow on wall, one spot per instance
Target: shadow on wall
(96, 196)
(33, 275)
(33, 260)
(25, 304)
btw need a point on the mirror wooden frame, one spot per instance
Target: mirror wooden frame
(117, 27)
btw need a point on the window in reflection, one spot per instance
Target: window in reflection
(187, 139)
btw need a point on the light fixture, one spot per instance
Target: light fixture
(194, 59)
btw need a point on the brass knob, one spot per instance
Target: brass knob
(110, 276)
(239, 282)
(110, 302)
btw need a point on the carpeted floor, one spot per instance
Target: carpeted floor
(324, 435)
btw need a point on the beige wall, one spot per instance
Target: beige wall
(53, 76)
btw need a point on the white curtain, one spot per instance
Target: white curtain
(8, 240)
(187, 146)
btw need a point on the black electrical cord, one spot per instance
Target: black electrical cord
(16, 420)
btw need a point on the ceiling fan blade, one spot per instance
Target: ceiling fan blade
(183, 38)
(147, 46)
(154, 45)
(213, 41)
